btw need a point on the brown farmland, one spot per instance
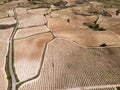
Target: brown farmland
(73, 66)
(27, 55)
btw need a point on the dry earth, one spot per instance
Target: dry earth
(27, 32)
(28, 62)
(20, 11)
(4, 38)
(3, 53)
(90, 38)
(54, 50)
(7, 21)
(70, 65)
(30, 20)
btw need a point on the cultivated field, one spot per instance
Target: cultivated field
(5, 34)
(38, 11)
(28, 55)
(73, 66)
(76, 23)
(7, 21)
(3, 53)
(19, 11)
(30, 20)
(3, 80)
(3, 14)
(90, 38)
(108, 22)
(27, 32)
(59, 45)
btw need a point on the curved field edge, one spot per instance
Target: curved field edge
(41, 64)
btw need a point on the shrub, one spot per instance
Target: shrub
(103, 45)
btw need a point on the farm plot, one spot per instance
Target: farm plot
(5, 34)
(7, 21)
(3, 80)
(3, 53)
(108, 22)
(90, 38)
(73, 23)
(115, 28)
(67, 65)
(28, 55)
(38, 11)
(19, 11)
(3, 14)
(8, 6)
(26, 32)
(30, 20)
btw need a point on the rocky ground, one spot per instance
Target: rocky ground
(70, 47)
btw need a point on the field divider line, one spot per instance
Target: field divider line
(41, 64)
(102, 86)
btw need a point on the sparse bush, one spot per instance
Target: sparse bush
(103, 45)
(60, 3)
(118, 11)
(118, 88)
(105, 13)
(94, 26)
(68, 20)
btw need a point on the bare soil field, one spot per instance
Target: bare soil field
(38, 11)
(96, 4)
(90, 19)
(90, 38)
(115, 28)
(86, 10)
(19, 11)
(27, 55)
(75, 23)
(73, 66)
(5, 34)
(111, 3)
(3, 14)
(57, 46)
(7, 21)
(26, 32)
(3, 53)
(30, 20)
(8, 6)
(65, 13)
(108, 22)
(3, 80)
(112, 11)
